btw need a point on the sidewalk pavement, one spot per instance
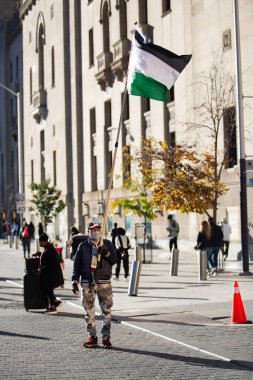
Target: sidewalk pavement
(182, 309)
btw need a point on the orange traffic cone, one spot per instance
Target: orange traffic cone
(238, 313)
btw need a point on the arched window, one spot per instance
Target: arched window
(52, 67)
(41, 38)
(106, 32)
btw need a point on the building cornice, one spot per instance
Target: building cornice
(26, 7)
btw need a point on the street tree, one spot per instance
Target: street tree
(215, 109)
(46, 200)
(175, 177)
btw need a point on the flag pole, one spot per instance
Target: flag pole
(112, 169)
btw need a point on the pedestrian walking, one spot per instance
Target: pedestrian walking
(25, 238)
(40, 229)
(122, 244)
(95, 277)
(114, 233)
(31, 229)
(226, 229)
(216, 242)
(14, 229)
(173, 229)
(204, 242)
(50, 273)
(75, 239)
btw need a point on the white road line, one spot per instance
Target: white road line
(152, 333)
(14, 283)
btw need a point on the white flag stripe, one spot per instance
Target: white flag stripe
(150, 66)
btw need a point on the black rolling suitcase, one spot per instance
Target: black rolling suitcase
(34, 298)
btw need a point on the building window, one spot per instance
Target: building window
(143, 12)
(53, 130)
(145, 107)
(171, 96)
(30, 36)
(91, 48)
(11, 73)
(52, 68)
(31, 85)
(17, 68)
(42, 157)
(123, 19)
(52, 11)
(32, 172)
(172, 139)
(106, 32)
(230, 146)
(31, 142)
(41, 57)
(226, 40)
(107, 136)
(93, 149)
(54, 168)
(166, 6)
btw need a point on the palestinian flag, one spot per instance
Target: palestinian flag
(152, 70)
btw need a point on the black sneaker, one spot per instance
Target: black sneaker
(107, 343)
(51, 310)
(58, 303)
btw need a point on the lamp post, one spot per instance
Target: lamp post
(243, 184)
(20, 145)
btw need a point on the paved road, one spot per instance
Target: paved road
(173, 311)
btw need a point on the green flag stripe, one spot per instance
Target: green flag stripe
(144, 86)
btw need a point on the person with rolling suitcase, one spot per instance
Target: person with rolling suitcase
(50, 272)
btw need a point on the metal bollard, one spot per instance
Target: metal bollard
(16, 242)
(37, 246)
(202, 265)
(138, 253)
(174, 262)
(10, 241)
(134, 278)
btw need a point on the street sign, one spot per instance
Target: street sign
(249, 164)
(20, 197)
(20, 207)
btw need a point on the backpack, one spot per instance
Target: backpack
(25, 233)
(176, 225)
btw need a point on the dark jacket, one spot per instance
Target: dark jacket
(82, 263)
(217, 235)
(202, 241)
(50, 269)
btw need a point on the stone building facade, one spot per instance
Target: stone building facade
(75, 60)
(11, 62)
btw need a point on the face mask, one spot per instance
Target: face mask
(94, 235)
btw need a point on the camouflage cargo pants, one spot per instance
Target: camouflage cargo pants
(104, 294)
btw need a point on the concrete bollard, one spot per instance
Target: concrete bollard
(202, 265)
(174, 262)
(16, 242)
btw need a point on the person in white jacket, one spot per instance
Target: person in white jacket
(226, 229)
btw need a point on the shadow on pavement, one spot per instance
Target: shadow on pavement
(214, 363)
(14, 335)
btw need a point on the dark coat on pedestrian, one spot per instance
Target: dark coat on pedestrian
(202, 241)
(217, 235)
(82, 263)
(76, 240)
(50, 269)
